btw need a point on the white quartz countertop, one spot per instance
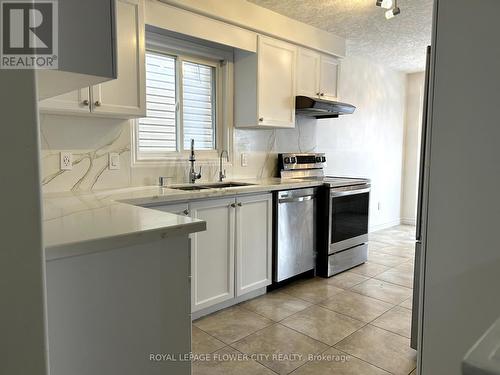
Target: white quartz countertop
(81, 222)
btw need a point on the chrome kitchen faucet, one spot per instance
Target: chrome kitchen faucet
(193, 176)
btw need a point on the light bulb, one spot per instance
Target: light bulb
(386, 4)
(392, 12)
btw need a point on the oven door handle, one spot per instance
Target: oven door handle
(296, 199)
(341, 193)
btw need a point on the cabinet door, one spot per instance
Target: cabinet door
(212, 253)
(276, 83)
(253, 243)
(329, 76)
(125, 96)
(308, 65)
(74, 102)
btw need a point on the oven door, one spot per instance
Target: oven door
(348, 219)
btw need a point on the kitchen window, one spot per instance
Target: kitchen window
(182, 101)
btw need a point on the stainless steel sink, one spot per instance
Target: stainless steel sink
(223, 185)
(188, 188)
(215, 185)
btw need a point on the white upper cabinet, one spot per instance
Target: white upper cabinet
(77, 102)
(329, 77)
(317, 75)
(276, 83)
(265, 85)
(308, 70)
(123, 97)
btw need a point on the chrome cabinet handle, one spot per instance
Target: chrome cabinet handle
(86, 102)
(97, 103)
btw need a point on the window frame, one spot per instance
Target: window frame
(160, 158)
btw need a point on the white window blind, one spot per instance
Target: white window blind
(157, 133)
(198, 107)
(173, 120)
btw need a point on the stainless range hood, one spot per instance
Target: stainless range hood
(320, 108)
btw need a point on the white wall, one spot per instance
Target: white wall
(413, 126)
(369, 143)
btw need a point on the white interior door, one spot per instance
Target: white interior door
(276, 83)
(212, 253)
(253, 243)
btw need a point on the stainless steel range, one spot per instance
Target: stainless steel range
(342, 227)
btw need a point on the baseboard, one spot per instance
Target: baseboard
(408, 221)
(393, 223)
(225, 304)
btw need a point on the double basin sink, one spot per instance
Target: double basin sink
(220, 185)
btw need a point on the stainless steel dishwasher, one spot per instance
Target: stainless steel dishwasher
(295, 232)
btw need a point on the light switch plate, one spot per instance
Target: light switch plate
(114, 161)
(66, 161)
(244, 160)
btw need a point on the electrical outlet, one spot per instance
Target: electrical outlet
(114, 161)
(244, 160)
(66, 161)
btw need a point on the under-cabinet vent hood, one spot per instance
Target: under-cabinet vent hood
(320, 108)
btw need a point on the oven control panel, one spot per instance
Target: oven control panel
(292, 161)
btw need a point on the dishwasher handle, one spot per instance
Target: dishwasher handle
(296, 199)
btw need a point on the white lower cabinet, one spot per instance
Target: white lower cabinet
(233, 256)
(253, 243)
(212, 253)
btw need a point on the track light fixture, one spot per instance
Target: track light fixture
(392, 13)
(391, 5)
(386, 4)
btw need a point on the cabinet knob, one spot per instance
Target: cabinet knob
(233, 205)
(86, 102)
(185, 212)
(318, 93)
(261, 119)
(322, 94)
(239, 204)
(97, 103)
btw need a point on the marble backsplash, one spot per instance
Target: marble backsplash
(90, 140)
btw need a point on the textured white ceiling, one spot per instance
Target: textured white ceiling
(399, 43)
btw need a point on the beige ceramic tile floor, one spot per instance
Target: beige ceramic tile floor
(355, 323)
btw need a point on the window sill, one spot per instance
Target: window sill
(154, 163)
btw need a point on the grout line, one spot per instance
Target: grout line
(363, 360)
(260, 363)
